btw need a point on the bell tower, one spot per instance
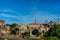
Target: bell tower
(35, 21)
(46, 21)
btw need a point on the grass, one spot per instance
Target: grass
(3, 38)
(43, 38)
(49, 38)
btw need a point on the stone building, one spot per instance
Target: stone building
(57, 22)
(22, 28)
(2, 22)
(4, 29)
(38, 26)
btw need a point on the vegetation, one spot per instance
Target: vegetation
(16, 29)
(36, 32)
(14, 32)
(13, 25)
(25, 34)
(13, 29)
(49, 38)
(9, 38)
(53, 32)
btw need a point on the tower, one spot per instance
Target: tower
(46, 22)
(35, 21)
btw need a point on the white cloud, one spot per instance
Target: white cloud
(27, 19)
(10, 17)
(7, 10)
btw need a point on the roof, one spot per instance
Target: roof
(34, 23)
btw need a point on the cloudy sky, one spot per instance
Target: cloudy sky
(25, 11)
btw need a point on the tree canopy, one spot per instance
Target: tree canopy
(53, 31)
(36, 32)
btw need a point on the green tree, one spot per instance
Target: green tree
(13, 32)
(25, 34)
(16, 29)
(53, 31)
(58, 32)
(13, 25)
(36, 32)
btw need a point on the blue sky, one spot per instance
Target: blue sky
(24, 11)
